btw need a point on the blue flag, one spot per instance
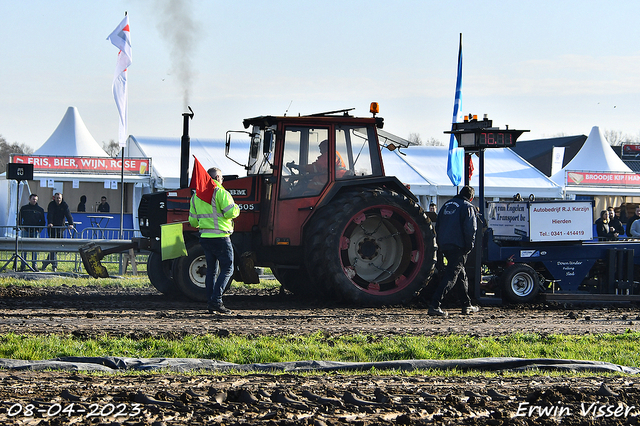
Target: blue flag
(455, 162)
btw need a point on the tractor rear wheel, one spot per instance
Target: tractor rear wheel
(159, 273)
(371, 247)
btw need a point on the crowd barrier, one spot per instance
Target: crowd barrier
(36, 247)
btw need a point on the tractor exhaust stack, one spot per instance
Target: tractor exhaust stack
(185, 142)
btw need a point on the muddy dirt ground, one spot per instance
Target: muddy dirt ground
(56, 398)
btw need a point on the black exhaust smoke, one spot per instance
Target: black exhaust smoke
(185, 142)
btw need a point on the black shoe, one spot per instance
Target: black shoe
(437, 312)
(44, 265)
(218, 308)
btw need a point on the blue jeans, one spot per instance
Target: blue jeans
(220, 250)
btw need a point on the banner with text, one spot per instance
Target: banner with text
(602, 179)
(132, 166)
(561, 221)
(509, 220)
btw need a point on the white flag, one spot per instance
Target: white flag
(121, 39)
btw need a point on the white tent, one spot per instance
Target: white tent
(71, 138)
(165, 154)
(424, 168)
(596, 156)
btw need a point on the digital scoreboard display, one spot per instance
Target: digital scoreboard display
(480, 134)
(489, 139)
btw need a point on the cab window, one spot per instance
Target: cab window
(356, 148)
(305, 169)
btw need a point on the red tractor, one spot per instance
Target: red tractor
(316, 208)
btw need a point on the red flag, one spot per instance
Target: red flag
(201, 182)
(469, 164)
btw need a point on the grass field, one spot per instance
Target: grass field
(613, 348)
(617, 349)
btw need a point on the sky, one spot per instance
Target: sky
(552, 67)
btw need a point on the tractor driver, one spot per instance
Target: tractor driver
(318, 169)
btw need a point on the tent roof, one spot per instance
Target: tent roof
(424, 168)
(537, 147)
(539, 152)
(596, 155)
(165, 156)
(71, 138)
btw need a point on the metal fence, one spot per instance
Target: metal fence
(96, 233)
(39, 247)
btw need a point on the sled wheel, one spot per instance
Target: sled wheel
(159, 273)
(520, 283)
(371, 247)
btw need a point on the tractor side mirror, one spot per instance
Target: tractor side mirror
(253, 148)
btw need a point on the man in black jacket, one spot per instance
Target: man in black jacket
(615, 223)
(456, 229)
(103, 207)
(57, 212)
(32, 217)
(32, 222)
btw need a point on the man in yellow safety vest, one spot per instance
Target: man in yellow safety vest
(214, 218)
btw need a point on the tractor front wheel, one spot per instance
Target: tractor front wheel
(159, 273)
(190, 271)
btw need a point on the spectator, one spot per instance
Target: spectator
(634, 230)
(103, 207)
(604, 230)
(432, 214)
(57, 212)
(623, 213)
(614, 222)
(32, 220)
(82, 205)
(630, 222)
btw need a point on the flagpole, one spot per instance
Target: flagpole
(455, 160)
(120, 233)
(120, 38)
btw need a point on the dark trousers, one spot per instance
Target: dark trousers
(52, 258)
(31, 233)
(217, 250)
(454, 272)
